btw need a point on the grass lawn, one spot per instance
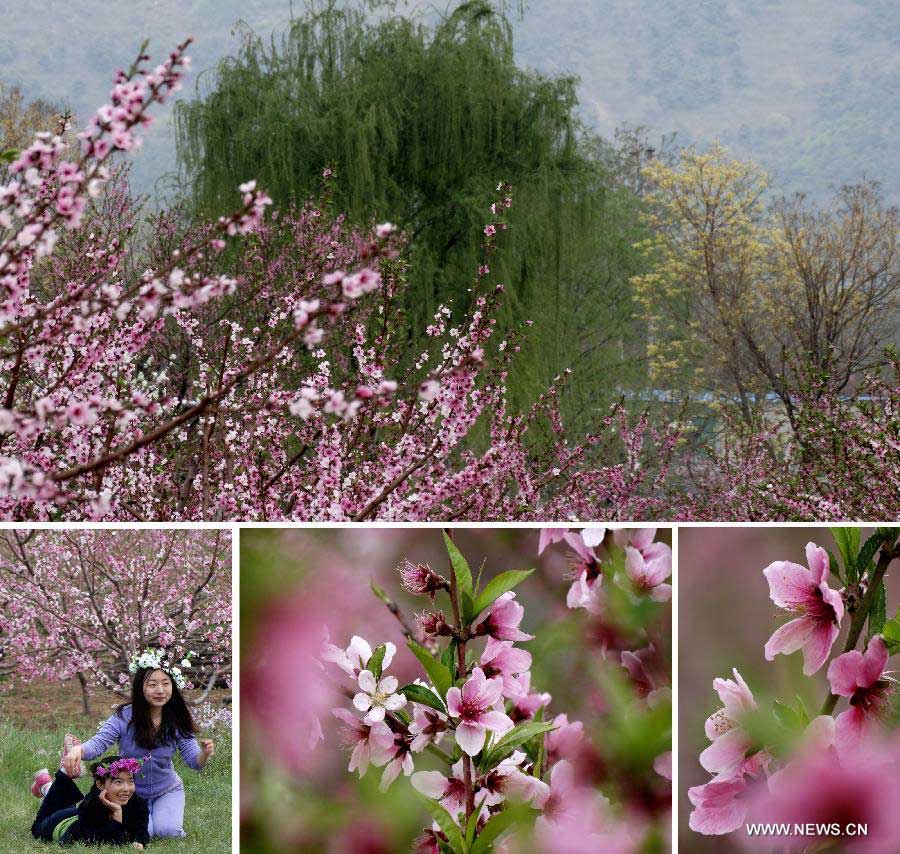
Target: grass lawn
(30, 743)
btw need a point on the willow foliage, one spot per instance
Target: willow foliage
(420, 122)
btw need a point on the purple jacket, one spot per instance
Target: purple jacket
(158, 774)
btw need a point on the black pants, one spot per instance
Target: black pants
(60, 802)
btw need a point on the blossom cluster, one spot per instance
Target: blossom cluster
(632, 558)
(105, 595)
(158, 659)
(126, 765)
(755, 777)
(138, 372)
(478, 713)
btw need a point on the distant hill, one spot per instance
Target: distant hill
(809, 90)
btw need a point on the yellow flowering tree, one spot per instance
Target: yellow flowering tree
(747, 298)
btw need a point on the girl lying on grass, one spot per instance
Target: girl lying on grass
(110, 813)
(156, 724)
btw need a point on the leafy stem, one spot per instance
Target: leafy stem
(888, 553)
(461, 633)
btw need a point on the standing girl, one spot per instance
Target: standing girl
(157, 722)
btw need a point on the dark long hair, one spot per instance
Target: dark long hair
(177, 720)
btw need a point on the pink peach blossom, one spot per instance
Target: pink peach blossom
(860, 677)
(585, 589)
(648, 574)
(502, 621)
(525, 707)
(474, 705)
(501, 658)
(730, 742)
(507, 780)
(427, 727)
(805, 591)
(371, 743)
(722, 805)
(564, 741)
(450, 791)
(400, 760)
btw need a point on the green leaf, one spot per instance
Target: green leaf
(471, 824)
(499, 585)
(787, 717)
(499, 823)
(446, 823)
(868, 551)
(891, 633)
(460, 566)
(847, 540)
(466, 605)
(379, 592)
(516, 736)
(439, 675)
(9, 155)
(448, 658)
(478, 579)
(877, 613)
(423, 695)
(835, 567)
(375, 662)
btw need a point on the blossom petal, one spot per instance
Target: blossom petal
(347, 717)
(642, 538)
(789, 583)
(391, 771)
(362, 702)
(818, 647)
(575, 541)
(496, 721)
(470, 737)
(789, 637)
(454, 701)
(842, 673)
(718, 810)
(873, 661)
(388, 685)
(432, 784)
(817, 561)
(359, 651)
(367, 681)
(593, 537)
(661, 593)
(850, 729)
(634, 566)
(375, 715)
(359, 758)
(394, 702)
(725, 755)
(548, 537)
(389, 651)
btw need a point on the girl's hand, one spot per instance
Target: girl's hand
(114, 809)
(72, 760)
(207, 749)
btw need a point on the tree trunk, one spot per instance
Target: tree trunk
(85, 695)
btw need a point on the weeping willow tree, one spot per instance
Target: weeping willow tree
(420, 121)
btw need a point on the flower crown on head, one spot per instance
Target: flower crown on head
(129, 766)
(157, 659)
